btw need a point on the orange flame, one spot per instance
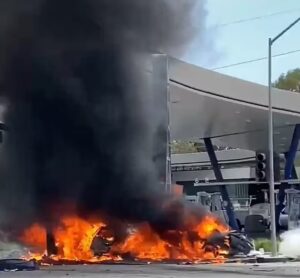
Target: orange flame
(35, 237)
(74, 237)
(145, 244)
(73, 240)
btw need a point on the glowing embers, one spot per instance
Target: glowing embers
(79, 240)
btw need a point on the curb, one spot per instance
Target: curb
(258, 270)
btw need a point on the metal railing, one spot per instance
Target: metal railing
(294, 181)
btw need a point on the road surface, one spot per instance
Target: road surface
(162, 271)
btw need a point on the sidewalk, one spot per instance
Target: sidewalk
(289, 269)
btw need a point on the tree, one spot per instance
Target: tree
(180, 147)
(289, 81)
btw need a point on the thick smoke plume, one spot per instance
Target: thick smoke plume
(288, 246)
(75, 95)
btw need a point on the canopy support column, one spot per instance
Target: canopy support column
(289, 171)
(219, 178)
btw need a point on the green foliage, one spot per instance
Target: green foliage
(179, 147)
(289, 81)
(264, 243)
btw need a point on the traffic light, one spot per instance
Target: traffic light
(261, 166)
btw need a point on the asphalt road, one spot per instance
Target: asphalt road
(149, 271)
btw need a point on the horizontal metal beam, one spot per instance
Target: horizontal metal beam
(244, 182)
(228, 183)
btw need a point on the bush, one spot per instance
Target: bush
(264, 243)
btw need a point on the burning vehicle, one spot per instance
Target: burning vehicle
(82, 241)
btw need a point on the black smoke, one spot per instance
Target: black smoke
(71, 74)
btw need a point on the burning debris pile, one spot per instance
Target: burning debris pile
(92, 240)
(79, 240)
(79, 162)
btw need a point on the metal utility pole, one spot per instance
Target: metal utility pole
(271, 157)
(270, 133)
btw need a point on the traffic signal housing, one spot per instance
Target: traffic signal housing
(261, 166)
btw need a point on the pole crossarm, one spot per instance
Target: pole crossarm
(285, 30)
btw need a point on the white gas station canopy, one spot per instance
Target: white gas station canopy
(233, 111)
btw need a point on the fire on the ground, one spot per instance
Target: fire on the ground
(82, 240)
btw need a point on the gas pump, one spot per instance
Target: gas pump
(204, 199)
(293, 208)
(217, 206)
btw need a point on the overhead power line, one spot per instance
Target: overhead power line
(258, 17)
(255, 60)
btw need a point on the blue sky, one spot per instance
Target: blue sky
(239, 42)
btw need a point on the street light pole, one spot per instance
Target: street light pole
(271, 156)
(270, 137)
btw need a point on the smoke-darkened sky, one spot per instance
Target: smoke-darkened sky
(79, 132)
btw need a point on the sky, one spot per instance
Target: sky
(233, 42)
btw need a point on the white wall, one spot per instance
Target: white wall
(232, 173)
(222, 156)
